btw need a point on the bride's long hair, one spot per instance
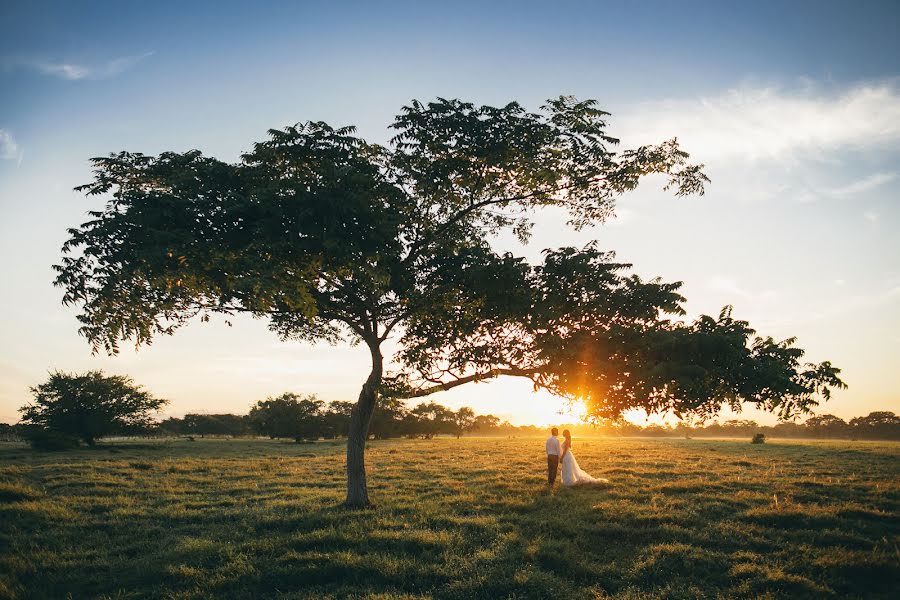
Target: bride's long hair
(568, 437)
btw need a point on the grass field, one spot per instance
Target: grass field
(470, 518)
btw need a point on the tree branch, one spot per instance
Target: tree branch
(415, 250)
(512, 372)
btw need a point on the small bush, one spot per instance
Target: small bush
(759, 438)
(47, 439)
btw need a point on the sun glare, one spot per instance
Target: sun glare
(554, 410)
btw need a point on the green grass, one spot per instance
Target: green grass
(469, 518)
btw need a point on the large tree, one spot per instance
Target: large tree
(333, 238)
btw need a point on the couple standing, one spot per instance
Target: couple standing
(571, 472)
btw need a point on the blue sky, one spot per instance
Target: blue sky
(794, 107)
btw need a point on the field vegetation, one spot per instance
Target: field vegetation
(455, 518)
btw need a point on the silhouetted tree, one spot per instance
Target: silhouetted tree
(826, 426)
(337, 418)
(288, 416)
(463, 420)
(90, 405)
(390, 419)
(8, 432)
(223, 424)
(739, 427)
(171, 426)
(331, 237)
(485, 423)
(880, 424)
(431, 419)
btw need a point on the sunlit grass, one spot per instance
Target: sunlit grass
(455, 519)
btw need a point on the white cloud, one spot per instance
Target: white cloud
(9, 148)
(871, 216)
(864, 185)
(731, 288)
(770, 123)
(64, 70)
(73, 71)
(727, 286)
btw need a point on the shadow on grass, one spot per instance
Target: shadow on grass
(250, 528)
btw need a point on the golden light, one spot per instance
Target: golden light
(548, 410)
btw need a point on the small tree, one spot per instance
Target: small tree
(224, 424)
(485, 423)
(826, 426)
(171, 426)
(463, 420)
(289, 416)
(336, 418)
(739, 427)
(391, 418)
(8, 432)
(432, 419)
(90, 406)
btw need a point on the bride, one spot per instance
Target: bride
(571, 472)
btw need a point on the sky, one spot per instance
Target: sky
(794, 107)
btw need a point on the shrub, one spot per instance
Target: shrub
(759, 438)
(8, 433)
(48, 439)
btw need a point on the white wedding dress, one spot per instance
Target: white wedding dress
(572, 473)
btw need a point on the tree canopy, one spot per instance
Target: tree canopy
(330, 237)
(289, 415)
(90, 405)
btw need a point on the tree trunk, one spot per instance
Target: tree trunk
(360, 416)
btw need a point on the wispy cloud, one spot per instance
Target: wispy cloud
(887, 295)
(811, 190)
(63, 70)
(770, 123)
(731, 288)
(9, 148)
(864, 185)
(73, 71)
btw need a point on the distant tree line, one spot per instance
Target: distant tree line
(300, 417)
(880, 425)
(306, 417)
(72, 408)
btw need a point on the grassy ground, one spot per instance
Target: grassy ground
(455, 519)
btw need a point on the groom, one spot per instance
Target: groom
(553, 452)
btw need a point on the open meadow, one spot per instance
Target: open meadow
(468, 518)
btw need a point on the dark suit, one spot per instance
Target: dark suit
(552, 467)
